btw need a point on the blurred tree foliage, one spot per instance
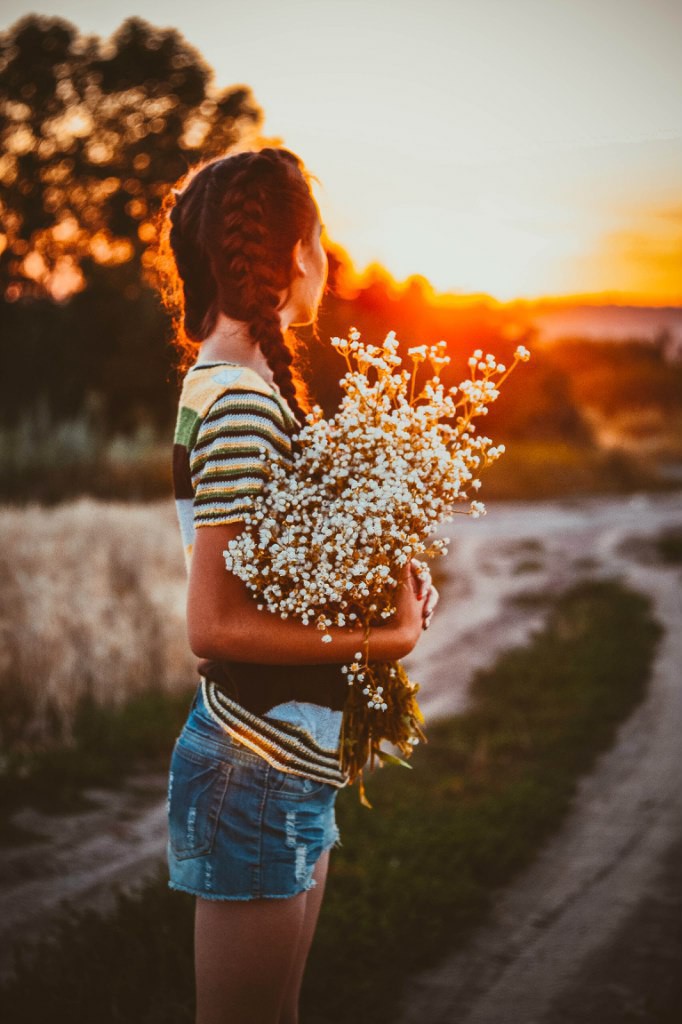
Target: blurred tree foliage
(92, 134)
(630, 375)
(537, 401)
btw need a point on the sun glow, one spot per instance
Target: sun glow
(517, 151)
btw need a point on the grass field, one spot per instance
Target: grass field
(421, 869)
(92, 609)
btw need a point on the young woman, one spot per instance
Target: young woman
(255, 771)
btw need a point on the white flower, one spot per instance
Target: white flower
(366, 489)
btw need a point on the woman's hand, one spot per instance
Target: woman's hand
(423, 575)
(410, 603)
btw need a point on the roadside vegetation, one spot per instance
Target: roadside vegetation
(95, 668)
(419, 871)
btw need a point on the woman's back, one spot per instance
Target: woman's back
(230, 423)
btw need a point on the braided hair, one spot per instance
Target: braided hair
(233, 228)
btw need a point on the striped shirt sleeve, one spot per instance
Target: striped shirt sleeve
(241, 432)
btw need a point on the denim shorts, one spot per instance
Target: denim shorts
(239, 828)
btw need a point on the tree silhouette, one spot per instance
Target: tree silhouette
(92, 134)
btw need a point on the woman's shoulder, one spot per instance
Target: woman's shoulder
(214, 390)
(204, 383)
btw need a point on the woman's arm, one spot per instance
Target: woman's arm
(223, 620)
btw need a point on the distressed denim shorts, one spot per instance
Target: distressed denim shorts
(238, 828)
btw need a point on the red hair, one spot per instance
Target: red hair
(226, 239)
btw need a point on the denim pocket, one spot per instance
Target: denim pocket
(196, 789)
(295, 787)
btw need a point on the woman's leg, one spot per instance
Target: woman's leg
(250, 955)
(244, 952)
(289, 1010)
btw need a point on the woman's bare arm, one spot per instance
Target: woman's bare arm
(224, 622)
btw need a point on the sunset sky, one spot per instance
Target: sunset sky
(512, 147)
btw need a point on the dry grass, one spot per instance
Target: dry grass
(92, 603)
(537, 470)
(416, 875)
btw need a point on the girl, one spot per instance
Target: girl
(255, 771)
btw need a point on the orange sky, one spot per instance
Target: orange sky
(517, 149)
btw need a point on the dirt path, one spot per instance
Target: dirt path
(82, 858)
(611, 869)
(584, 883)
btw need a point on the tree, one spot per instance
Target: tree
(92, 134)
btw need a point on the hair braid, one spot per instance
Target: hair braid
(234, 227)
(198, 283)
(245, 251)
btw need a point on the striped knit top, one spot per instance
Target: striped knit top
(229, 423)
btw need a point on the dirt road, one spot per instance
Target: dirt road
(590, 933)
(81, 859)
(587, 883)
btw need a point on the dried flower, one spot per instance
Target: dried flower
(327, 539)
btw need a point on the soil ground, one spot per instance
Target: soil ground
(590, 933)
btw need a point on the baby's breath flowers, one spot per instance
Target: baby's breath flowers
(328, 539)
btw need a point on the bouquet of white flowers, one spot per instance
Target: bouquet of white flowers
(327, 540)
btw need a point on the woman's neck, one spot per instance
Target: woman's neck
(230, 341)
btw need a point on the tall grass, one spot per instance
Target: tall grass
(52, 461)
(537, 470)
(417, 873)
(92, 608)
(47, 460)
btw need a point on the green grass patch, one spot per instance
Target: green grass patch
(528, 545)
(668, 545)
(662, 550)
(420, 870)
(529, 599)
(528, 565)
(68, 462)
(108, 745)
(585, 563)
(539, 470)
